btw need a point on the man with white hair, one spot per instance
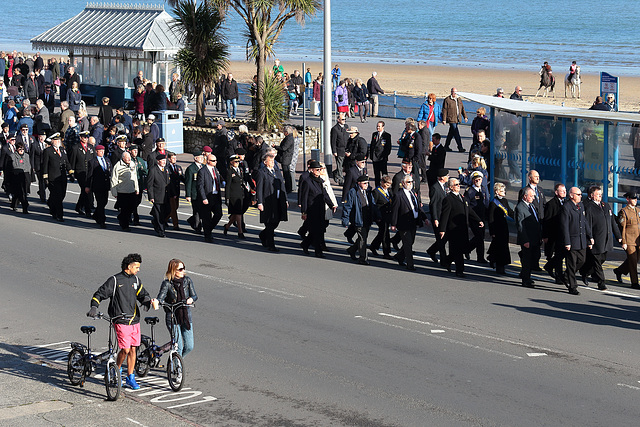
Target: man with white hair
(374, 90)
(124, 187)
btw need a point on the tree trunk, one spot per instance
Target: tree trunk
(200, 105)
(261, 119)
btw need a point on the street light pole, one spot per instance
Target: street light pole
(328, 98)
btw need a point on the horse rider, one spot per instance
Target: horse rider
(572, 71)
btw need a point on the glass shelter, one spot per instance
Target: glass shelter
(572, 146)
(109, 43)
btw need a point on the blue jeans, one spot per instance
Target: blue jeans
(184, 338)
(229, 103)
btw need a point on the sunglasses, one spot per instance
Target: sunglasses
(212, 161)
(181, 269)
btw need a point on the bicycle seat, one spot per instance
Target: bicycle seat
(151, 320)
(87, 329)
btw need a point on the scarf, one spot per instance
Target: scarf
(182, 314)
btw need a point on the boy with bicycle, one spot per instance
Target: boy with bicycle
(125, 290)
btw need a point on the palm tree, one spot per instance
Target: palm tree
(205, 52)
(263, 31)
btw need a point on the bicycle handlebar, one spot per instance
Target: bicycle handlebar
(110, 319)
(176, 305)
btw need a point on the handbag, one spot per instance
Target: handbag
(57, 82)
(340, 97)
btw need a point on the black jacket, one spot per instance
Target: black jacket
(54, 166)
(576, 230)
(80, 158)
(402, 215)
(176, 176)
(158, 184)
(268, 185)
(539, 201)
(455, 217)
(229, 89)
(285, 150)
(529, 228)
(551, 220)
(603, 223)
(339, 138)
(380, 147)
(436, 198)
(98, 179)
(351, 180)
(125, 292)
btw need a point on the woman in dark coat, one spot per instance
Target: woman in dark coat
(499, 215)
(313, 197)
(271, 199)
(236, 192)
(74, 97)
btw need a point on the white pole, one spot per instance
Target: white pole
(328, 98)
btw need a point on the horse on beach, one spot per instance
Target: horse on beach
(572, 84)
(547, 81)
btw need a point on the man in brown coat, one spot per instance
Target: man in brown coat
(452, 113)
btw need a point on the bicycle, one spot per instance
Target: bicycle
(149, 353)
(82, 362)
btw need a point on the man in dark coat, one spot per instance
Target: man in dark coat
(576, 236)
(528, 225)
(176, 176)
(271, 199)
(230, 95)
(339, 138)
(454, 224)
(358, 212)
(379, 151)
(157, 191)
(191, 191)
(54, 171)
(603, 223)
(382, 198)
(437, 159)
(539, 201)
(209, 185)
(81, 155)
(553, 245)
(49, 99)
(437, 193)
(406, 216)
(36, 156)
(351, 181)
(478, 199)
(312, 198)
(99, 183)
(285, 157)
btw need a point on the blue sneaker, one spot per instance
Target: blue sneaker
(131, 382)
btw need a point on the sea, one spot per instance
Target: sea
(601, 35)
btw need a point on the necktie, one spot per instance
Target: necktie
(532, 209)
(103, 163)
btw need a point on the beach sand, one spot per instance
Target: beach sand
(418, 79)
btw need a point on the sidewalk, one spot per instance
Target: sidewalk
(35, 391)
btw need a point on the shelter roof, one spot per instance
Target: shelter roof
(113, 27)
(526, 108)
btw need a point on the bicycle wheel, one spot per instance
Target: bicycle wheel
(143, 359)
(75, 366)
(175, 371)
(113, 381)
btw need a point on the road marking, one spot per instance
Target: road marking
(135, 422)
(261, 289)
(47, 345)
(632, 387)
(475, 334)
(536, 354)
(53, 238)
(512, 356)
(437, 331)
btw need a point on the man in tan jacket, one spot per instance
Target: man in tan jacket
(629, 218)
(452, 113)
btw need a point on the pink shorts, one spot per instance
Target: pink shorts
(128, 335)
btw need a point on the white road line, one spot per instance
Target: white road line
(488, 350)
(536, 354)
(632, 387)
(437, 331)
(47, 345)
(134, 421)
(53, 238)
(475, 334)
(261, 289)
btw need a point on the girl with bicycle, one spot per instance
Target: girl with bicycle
(176, 287)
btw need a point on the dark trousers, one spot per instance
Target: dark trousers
(527, 258)
(383, 238)
(477, 242)
(211, 213)
(174, 202)
(379, 170)
(42, 189)
(194, 220)
(159, 212)
(267, 236)
(406, 251)
(57, 191)
(136, 217)
(127, 206)
(439, 246)
(102, 197)
(458, 246)
(593, 266)
(84, 201)
(360, 245)
(316, 230)
(453, 133)
(574, 260)
(555, 255)
(338, 177)
(630, 265)
(20, 188)
(289, 178)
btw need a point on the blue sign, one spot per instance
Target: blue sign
(609, 84)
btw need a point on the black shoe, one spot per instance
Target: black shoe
(448, 148)
(585, 280)
(433, 257)
(483, 261)
(550, 271)
(395, 245)
(364, 262)
(208, 239)
(401, 262)
(349, 238)
(320, 255)
(305, 249)
(467, 256)
(635, 286)
(574, 291)
(461, 275)
(136, 223)
(602, 287)
(461, 150)
(528, 285)
(559, 281)
(374, 252)
(161, 234)
(387, 256)
(273, 249)
(500, 271)
(60, 219)
(352, 254)
(80, 211)
(536, 268)
(618, 276)
(411, 268)
(102, 225)
(226, 230)
(241, 236)
(300, 233)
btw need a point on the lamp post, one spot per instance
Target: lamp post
(328, 98)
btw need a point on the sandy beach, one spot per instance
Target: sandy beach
(418, 79)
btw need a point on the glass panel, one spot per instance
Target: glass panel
(116, 72)
(105, 71)
(162, 74)
(89, 68)
(624, 159)
(507, 151)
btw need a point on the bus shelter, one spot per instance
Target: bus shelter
(109, 43)
(572, 146)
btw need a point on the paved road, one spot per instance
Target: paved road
(289, 340)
